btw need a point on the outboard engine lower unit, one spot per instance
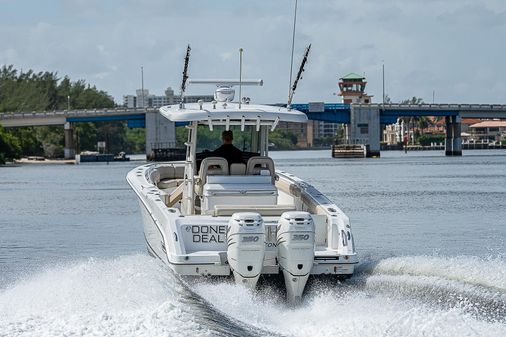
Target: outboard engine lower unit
(295, 241)
(246, 247)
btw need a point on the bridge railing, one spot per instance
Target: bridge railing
(329, 107)
(74, 113)
(445, 106)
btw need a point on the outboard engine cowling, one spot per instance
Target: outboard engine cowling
(295, 241)
(246, 247)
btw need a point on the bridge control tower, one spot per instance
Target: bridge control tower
(362, 133)
(352, 89)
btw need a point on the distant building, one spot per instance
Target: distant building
(308, 132)
(490, 130)
(471, 129)
(392, 133)
(145, 99)
(303, 131)
(325, 129)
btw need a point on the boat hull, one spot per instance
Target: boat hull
(195, 245)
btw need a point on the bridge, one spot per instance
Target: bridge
(40, 118)
(157, 128)
(363, 120)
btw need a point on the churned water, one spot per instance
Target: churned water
(430, 231)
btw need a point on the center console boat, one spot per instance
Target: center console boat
(205, 217)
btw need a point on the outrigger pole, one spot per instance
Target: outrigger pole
(293, 46)
(185, 76)
(299, 76)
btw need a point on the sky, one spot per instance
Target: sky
(454, 49)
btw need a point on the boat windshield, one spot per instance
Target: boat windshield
(211, 140)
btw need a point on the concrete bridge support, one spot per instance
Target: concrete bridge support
(160, 132)
(69, 151)
(453, 146)
(457, 138)
(365, 129)
(449, 136)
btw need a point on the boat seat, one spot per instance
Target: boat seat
(237, 169)
(264, 210)
(166, 172)
(179, 171)
(258, 164)
(170, 183)
(154, 176)
(210, 166)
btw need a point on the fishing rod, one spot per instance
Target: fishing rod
(185, 75)
(299, 75)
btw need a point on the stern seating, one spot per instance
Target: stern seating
(258, 164)
(222, 189)
(167, 175)
(237, 169)
(210, 166)
(166, 172)
(263, 210)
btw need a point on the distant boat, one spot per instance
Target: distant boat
(121, 157)
(95, 157)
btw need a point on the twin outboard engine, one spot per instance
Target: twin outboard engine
(246, 247)
(295, 241)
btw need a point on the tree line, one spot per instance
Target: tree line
(46, 91)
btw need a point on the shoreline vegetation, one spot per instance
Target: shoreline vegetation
(46, 91)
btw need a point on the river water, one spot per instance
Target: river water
(430, 231)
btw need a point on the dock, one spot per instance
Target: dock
(349, 151)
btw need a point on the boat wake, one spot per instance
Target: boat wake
(128, 296)
(402, 296)
(136, 295)
(476, 286)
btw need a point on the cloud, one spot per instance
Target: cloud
(10, 55)
(226, 56)
(445, 46)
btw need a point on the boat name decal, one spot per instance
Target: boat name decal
(208, 233)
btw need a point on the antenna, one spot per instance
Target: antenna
(142, 87)
(383, 71)
(240, 76)
(299, 75)
(185, 75)
(293, 44)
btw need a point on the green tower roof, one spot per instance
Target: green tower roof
(352, 76)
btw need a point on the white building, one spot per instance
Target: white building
(144, 99)
(325, 129)
(489, 131)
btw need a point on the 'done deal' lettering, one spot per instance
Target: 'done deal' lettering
(208, 233)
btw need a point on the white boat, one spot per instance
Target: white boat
(203, 217)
